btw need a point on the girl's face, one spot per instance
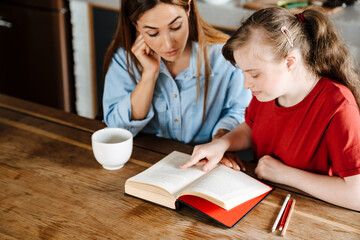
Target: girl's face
(165, 29)
(267, 79)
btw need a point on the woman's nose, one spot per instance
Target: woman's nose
(168, 41)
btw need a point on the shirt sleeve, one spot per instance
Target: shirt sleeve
(116, 99)
(343, 141)
(237, 99)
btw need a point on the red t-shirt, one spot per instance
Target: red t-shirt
(320, 134)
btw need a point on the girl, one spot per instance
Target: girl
(303, 123)
(165, 74)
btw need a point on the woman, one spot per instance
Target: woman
(303, 122)
(165, 74)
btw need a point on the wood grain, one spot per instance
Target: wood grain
(51, 187)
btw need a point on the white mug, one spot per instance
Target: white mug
(112, 147)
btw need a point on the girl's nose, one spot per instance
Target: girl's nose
(247, 83)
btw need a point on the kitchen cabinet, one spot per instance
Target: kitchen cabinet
(104, 22)
(35, 52)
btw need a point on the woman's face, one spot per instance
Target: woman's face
(165, 29)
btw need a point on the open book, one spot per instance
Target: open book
(223, 193)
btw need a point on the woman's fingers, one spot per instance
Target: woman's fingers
(239, 162)
(232, 160)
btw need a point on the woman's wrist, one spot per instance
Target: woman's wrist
(149, 76)
(221, 132)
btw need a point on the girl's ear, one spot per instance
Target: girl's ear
(291, 60)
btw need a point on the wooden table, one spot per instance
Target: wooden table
(51, 187)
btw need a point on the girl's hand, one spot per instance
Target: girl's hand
(271, 169)
(149, 60)
(208, 155)
(230, 159)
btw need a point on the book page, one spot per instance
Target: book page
(226, 187)
(167, 174)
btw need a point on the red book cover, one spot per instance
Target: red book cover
(225, 217)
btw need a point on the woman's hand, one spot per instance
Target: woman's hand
(142, 95)
(230, 159)
(149, 60)
(271, 169)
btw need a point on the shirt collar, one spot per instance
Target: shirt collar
(189, 72)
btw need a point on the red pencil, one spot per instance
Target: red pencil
(288, 218)
(284, 216)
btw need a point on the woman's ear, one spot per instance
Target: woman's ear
(136, 27)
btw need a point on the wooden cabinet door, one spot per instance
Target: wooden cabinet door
(35, 63)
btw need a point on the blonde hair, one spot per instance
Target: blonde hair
(325, 54)
(199, 31)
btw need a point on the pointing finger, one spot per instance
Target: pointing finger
(194, 159)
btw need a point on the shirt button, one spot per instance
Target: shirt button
(176, 120)
(175, 96)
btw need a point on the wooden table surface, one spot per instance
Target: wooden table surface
(51, 187)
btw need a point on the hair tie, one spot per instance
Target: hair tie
(300, 17)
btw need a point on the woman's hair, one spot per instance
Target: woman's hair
(199, 31)
(325, 54)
